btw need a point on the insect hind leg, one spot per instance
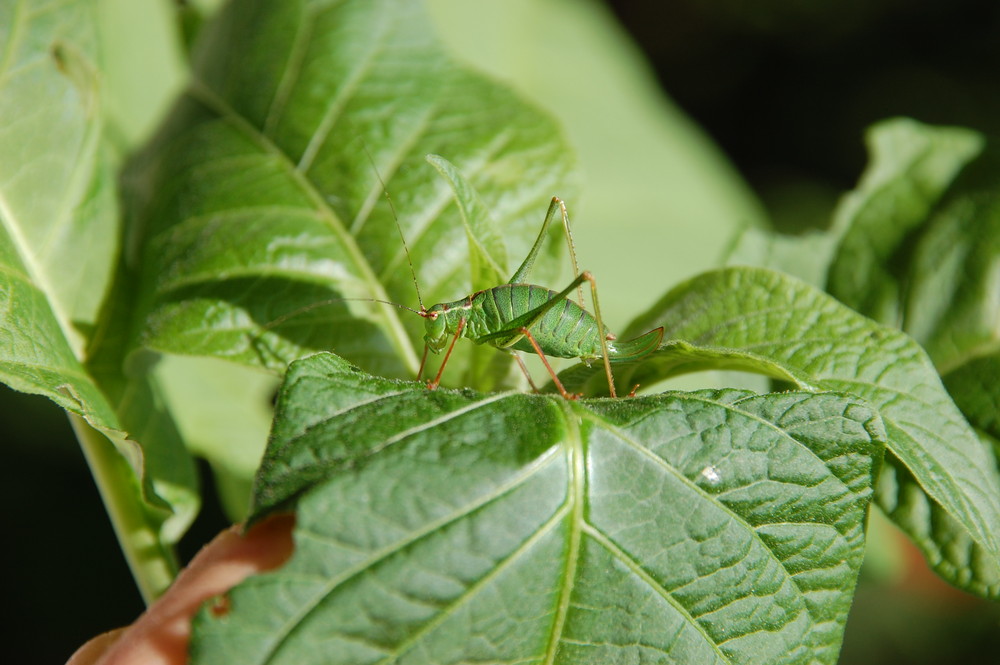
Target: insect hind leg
(521, 274)
(602, 331)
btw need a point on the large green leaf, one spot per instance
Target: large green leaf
(56, 200)
(944, 487)
(445, 526)
(261, 197)
(920, 247)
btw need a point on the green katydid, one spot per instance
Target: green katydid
(518, 316)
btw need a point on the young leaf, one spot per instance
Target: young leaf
(488, 266)
(262, 200)
(952, 304)
(444, 526)
(947, 487)
(487, 255)
(923, 229)
(912, 165)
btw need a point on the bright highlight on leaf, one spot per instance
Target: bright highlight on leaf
(444, 526)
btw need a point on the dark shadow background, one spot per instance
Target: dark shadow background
(786, 88)
(65, 579)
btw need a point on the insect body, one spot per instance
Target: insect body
(524, 317)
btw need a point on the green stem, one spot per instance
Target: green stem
(152, 563)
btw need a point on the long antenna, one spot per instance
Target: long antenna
(399, 229)
(323, 303)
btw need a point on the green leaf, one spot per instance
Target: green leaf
(445, 526)
(260, 199)
(921, 239)
(128, 385)
(761, 321)
(59, 240)
(223, 413)
(138, 90)
(976, 391)
(952, 304)
(912, 165)
(53, 205)
(56, 194)
(488, 267)
(488, 263)
(805, 255)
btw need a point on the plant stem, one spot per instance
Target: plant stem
(153, 564)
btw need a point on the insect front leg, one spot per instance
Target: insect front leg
(437, 379)
(423, 362)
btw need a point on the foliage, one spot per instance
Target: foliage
(478, 522)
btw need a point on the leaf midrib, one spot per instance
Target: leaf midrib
(202, 93)
(577, 500)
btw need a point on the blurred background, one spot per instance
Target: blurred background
(691, 119)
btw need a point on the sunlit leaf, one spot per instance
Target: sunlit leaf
(444, 526)
(262, 199)
(946, 488)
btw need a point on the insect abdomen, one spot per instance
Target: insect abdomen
(565, 331)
